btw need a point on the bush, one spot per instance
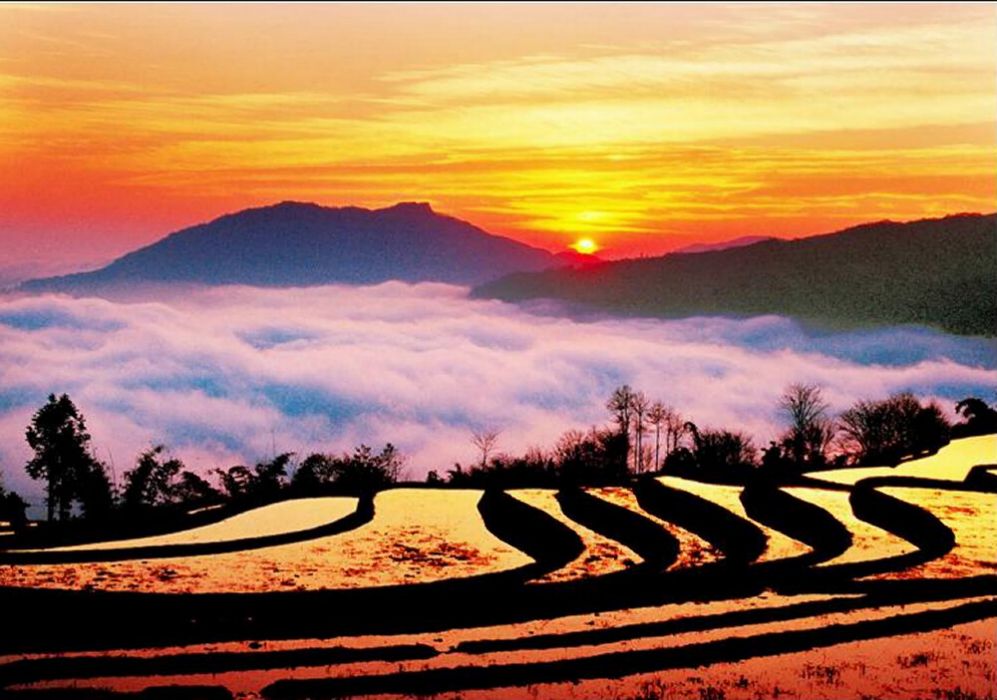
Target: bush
(978, 418)
(890, 430)
(363, 471)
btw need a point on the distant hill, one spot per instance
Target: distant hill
(722, 245)
(573, 259)
(297, 244)
(936, 272)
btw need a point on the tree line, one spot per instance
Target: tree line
(78, 485)
(642, 436)
(648, 436)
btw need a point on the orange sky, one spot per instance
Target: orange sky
(641, 126)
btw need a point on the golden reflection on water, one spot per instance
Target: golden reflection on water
(693, 549)
(425, 535)
(273, 519)
(971, 516)
(868, 541)
(951, 463)
(779, 546)
(417, 535)
(601, 556)
(895, 655)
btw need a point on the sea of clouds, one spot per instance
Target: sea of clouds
(230, 375)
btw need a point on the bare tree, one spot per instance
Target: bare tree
(656, 416)
(485, 441)
(810, 429)
(894, 428)
(721, 450)
(676, 428)
(621, 403)
(639, 405)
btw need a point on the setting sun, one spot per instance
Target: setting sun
(585, 246)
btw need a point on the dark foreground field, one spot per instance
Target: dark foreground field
(851, 584)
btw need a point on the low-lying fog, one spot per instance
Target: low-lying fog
(230, 375)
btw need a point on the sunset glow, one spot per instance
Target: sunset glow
(585, 246)
(122, 123)
(534, 351)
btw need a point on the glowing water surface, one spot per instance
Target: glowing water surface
(417, 535)
(601, 556)
(779, 545)
(273, 519)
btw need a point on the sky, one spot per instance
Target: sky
(644, 127)
(231, 375)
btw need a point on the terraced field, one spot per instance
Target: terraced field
(415, 536)
(863, 583)
(274, 519)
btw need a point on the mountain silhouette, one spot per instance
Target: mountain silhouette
(299, 244)
(935, 272)
(722, 245)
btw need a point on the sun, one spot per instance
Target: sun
(585, 246)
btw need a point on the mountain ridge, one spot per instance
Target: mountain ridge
(939, 272)
(936, 272)
(301, 243)
(739, 242)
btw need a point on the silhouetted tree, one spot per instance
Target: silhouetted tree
(365, 471)
(639, 406)
(151, 482)
(191, 490)
(457, 475)
(532, 470)
(360, 472)
(620, 404)
(773, 460)
(656, 417)
(978, 418)
(270, 477)
(681, 460)
(258, 485)
(316, 473)
(94, 491)
(892, 429)
(59, 438)
(932, 429)
(810, 429)
(576, 452)
(12, 509)
(596, 457)
(721, 452)
(236, 481)
(676, 428)
(485, 441)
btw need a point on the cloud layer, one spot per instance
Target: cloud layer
(232, 374)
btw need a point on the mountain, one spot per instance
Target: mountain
(574, 259)
(936, 272)
(722, 245)
(298, 244)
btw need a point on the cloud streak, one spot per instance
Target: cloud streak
(229, 374)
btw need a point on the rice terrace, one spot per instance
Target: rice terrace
(474, 351)
(437, 590)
